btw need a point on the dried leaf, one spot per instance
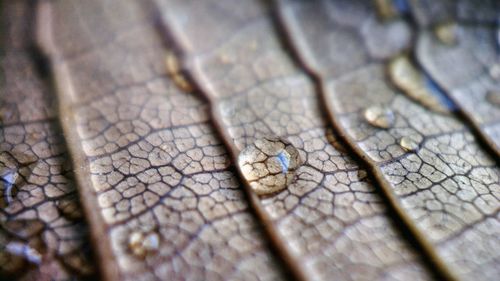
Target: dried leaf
(250, 140)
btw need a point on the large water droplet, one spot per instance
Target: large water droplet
(269, 164)
(143, 243)
(447, 33)
(408, 144)
(493, 97)
(379, 116)
(412, 82)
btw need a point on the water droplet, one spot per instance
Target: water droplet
(447, 33)
(172, 63)
(494, 71)
(269, 164)
(9, 189)
(408, 144)
(24, 250)
(379, 116)
(69, 208)
(412, 82)
(16, 168)
(21, 245)
(141, 243)
(174, 70)
(493, 97)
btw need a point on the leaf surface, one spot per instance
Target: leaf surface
(43, 234)
(152, 103)
(447, 186)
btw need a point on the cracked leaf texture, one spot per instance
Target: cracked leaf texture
(122, 122)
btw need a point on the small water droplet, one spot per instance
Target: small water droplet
(447, 33)
(16, 168)
(379, 116)
(172, 63)
(24, 250)
(493, 97)
(269, 164)
(412, 82)
(408, 144)
(141, 243)
(9, 189)
(174, 70)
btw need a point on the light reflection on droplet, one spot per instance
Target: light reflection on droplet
(25, 251)
(408, 144)
(141, 243)
(175, 72)
(379, 116)
(269, 164)
(412, 82)
(8, 180)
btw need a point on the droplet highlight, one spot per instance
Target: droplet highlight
(269, 165)
(9, 189)
(174, 70)
(447, 33)
(142, 244)
(412, 82)
(24, 250)
(379, 116)
(408, 144)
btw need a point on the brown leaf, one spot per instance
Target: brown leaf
(249, 140)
